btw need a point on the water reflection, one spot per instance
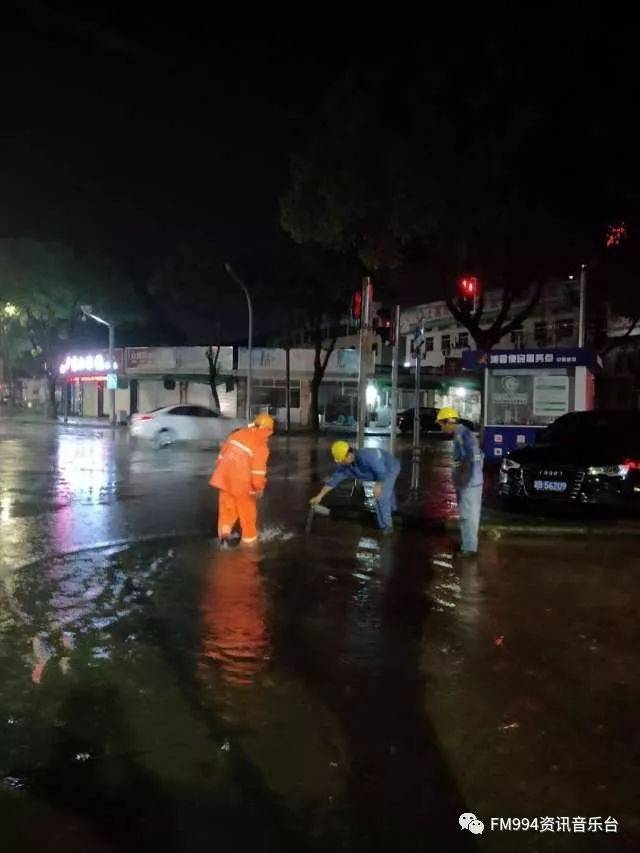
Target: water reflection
(85, 468)
(234, 617)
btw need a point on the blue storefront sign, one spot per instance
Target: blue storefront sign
(528, 389)
(528, 358)
(498, 441)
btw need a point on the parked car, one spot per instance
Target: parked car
(183, 423)
(428, 422)
(582, 458)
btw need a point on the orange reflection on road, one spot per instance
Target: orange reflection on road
(233, 610)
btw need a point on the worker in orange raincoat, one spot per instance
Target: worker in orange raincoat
(241, 476)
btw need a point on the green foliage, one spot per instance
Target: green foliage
(47, 282)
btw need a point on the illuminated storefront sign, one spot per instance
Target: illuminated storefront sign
(91, 363)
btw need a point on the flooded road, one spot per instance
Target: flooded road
(337, 691)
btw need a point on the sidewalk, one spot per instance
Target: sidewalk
(498, 523)
(38, 419)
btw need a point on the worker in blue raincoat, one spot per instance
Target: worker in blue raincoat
(467, 477)
(369, 465)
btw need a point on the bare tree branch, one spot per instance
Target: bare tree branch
(503, 313)
(620, 339)
(525, 311)
(327, 354)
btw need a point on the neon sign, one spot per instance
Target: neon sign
(81, 363)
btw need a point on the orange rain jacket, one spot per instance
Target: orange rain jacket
(242, 464)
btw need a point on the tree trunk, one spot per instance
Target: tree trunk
(213, 374)
(51, 411)
(314, 409)
(320, 362)
(214, 393)
(10, 382)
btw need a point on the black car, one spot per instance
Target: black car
(428, 421)
(582, 458)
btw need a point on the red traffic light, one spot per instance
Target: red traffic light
(356, 305)
(468, 286)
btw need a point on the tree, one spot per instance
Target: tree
(367, 191)
(192, 294)
(48, 282)
(614, 285)
(212, 360)
(461, 160)
(470, 313)
(308, 289)
(13, 343)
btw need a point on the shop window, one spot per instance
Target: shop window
(540, 333)
(273, 393)
(446, 344)
(463, 340)
(517, 337)
(428, 344)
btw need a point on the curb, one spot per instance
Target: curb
(59, 422)
(498, 531)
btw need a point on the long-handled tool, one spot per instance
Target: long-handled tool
(317, 509)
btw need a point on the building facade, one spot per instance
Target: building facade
(152, 377)
(553, 323)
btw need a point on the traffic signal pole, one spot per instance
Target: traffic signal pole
(395, 363)
(583, 301)
(365, 358)
(415, 450)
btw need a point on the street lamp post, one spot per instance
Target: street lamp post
(245, 290)
(583, 305)
(86, 310)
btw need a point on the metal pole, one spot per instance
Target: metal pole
(112, 391)
(395, 359)
(485, 401)
(583, 295)
(288, 381)
(245, 290)
(415, 451)
(365, 355)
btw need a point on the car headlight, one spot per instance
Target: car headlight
(608, 470)
(509, 464)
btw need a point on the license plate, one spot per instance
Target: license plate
(549, 486)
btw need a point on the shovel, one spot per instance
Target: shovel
(313, 511)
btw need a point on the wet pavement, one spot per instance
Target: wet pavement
(336, 691)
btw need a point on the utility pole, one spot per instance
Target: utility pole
(395, 363)
(418, 343)
(365, 357)
(112, 376)
(287, 354)
(112, 390)
(245, 290)
(583, 298)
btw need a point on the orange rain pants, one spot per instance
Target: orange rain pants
(241, 474)
(233, 508)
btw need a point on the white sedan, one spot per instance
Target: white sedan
(183, 423)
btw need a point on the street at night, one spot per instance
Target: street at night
(335, 690)
(319, 429)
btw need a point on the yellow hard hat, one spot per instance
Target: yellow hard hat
(448, 413)
(340, 450)
(264, 421)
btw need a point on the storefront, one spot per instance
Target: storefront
(436, 391)
(527, 390)
(83, 390)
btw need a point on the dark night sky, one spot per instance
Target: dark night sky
(130, 129)
(135, 130)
